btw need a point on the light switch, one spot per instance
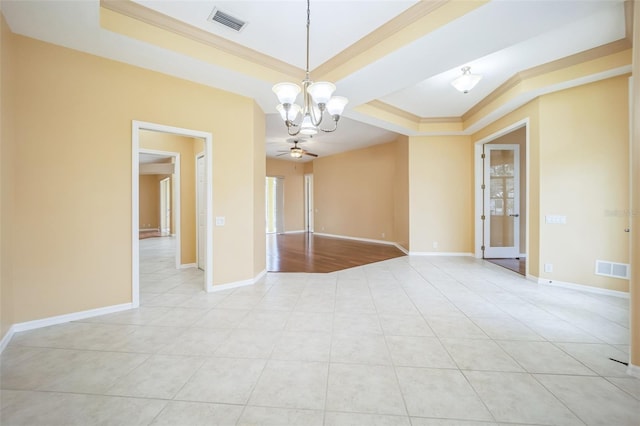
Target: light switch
(219, 220)
(555, 219)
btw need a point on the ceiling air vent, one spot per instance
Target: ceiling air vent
(227, 20)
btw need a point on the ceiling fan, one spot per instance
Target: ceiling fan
(296, 151)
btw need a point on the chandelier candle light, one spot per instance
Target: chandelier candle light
(317, 98)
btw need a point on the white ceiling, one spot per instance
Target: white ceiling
(498, 40)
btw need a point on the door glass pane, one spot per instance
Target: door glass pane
(501, 197)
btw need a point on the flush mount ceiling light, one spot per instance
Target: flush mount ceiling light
(317, 98)
(466, 81)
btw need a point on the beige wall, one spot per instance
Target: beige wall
(401, 193)
(635, 212)
(354, 193)
(584, 174)
(293, 174)
(149, 201)
(440, 193)
(7, 177)
(72, 159)
(259, 237)
(185, 146)
(519, 137)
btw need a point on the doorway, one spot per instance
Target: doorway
(274, 195)
(502, 197)
(207, 138)
(201, 209)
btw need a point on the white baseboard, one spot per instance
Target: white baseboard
(522, 256)
(633, 370)
(6, 338)
(301, 231)
(60, 319)
(188, 265)
(366, 240)
(582, 287)
(439, 253)
(236, 284)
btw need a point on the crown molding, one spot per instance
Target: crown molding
(148, 16)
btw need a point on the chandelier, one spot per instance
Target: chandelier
(317, 99)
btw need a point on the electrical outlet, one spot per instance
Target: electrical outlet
(548, 267)
(435, 244)
(383, 235)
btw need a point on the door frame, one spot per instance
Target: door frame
(136, 127)
(479, 176)
(163, 213)
(308, 202)
(198, 201)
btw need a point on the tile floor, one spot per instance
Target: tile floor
(410, 341)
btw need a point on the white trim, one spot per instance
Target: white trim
(301, 231)
(585, 288)
(237, 284)
(439, 253)
(60, 319)
(366, 240)
(633, 370)
(136, 126)
(522, 255)
(402, 249)
(6, 338)
(478, 182)
(188, 265)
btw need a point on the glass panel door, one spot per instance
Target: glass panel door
(502, 198)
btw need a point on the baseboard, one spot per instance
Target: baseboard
(439, 253)
(60, 319)
(236, 284)
(148, 229)
(585, 288)
(522, 256)
(365, 240)
(6, 338)
(188, 265)
(302, 231)
(402, 249)
(633, 370)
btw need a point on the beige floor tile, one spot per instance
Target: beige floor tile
(223, 380)
(594, 399)
(160, 376)
(355, 419)
(303, 346)
(269, 416)
(480, 354)
(409, 351)
(405, 325)
(519, 398)
(359, 349)
(292, 384)
(364, 389)
(198, 414)
(440, 393)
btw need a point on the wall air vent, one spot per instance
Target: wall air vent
(227, 20)
(612, 269)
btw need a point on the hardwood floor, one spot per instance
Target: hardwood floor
(304, 252)
(516, 265)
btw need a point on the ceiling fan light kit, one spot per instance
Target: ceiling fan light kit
(297, 152)
(466, 81)
(317, 98)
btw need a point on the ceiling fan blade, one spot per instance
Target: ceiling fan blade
(311, 154)
(280, 155)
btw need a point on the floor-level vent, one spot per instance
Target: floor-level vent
(227, 20)
(612, 269)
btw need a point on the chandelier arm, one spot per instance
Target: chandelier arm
(335, 127)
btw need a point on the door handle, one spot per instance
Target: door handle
(514, 215)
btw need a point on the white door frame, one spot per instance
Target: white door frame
(308, 202)
(198, 201)
(479, 174)
(163, 212)
(136, 126)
